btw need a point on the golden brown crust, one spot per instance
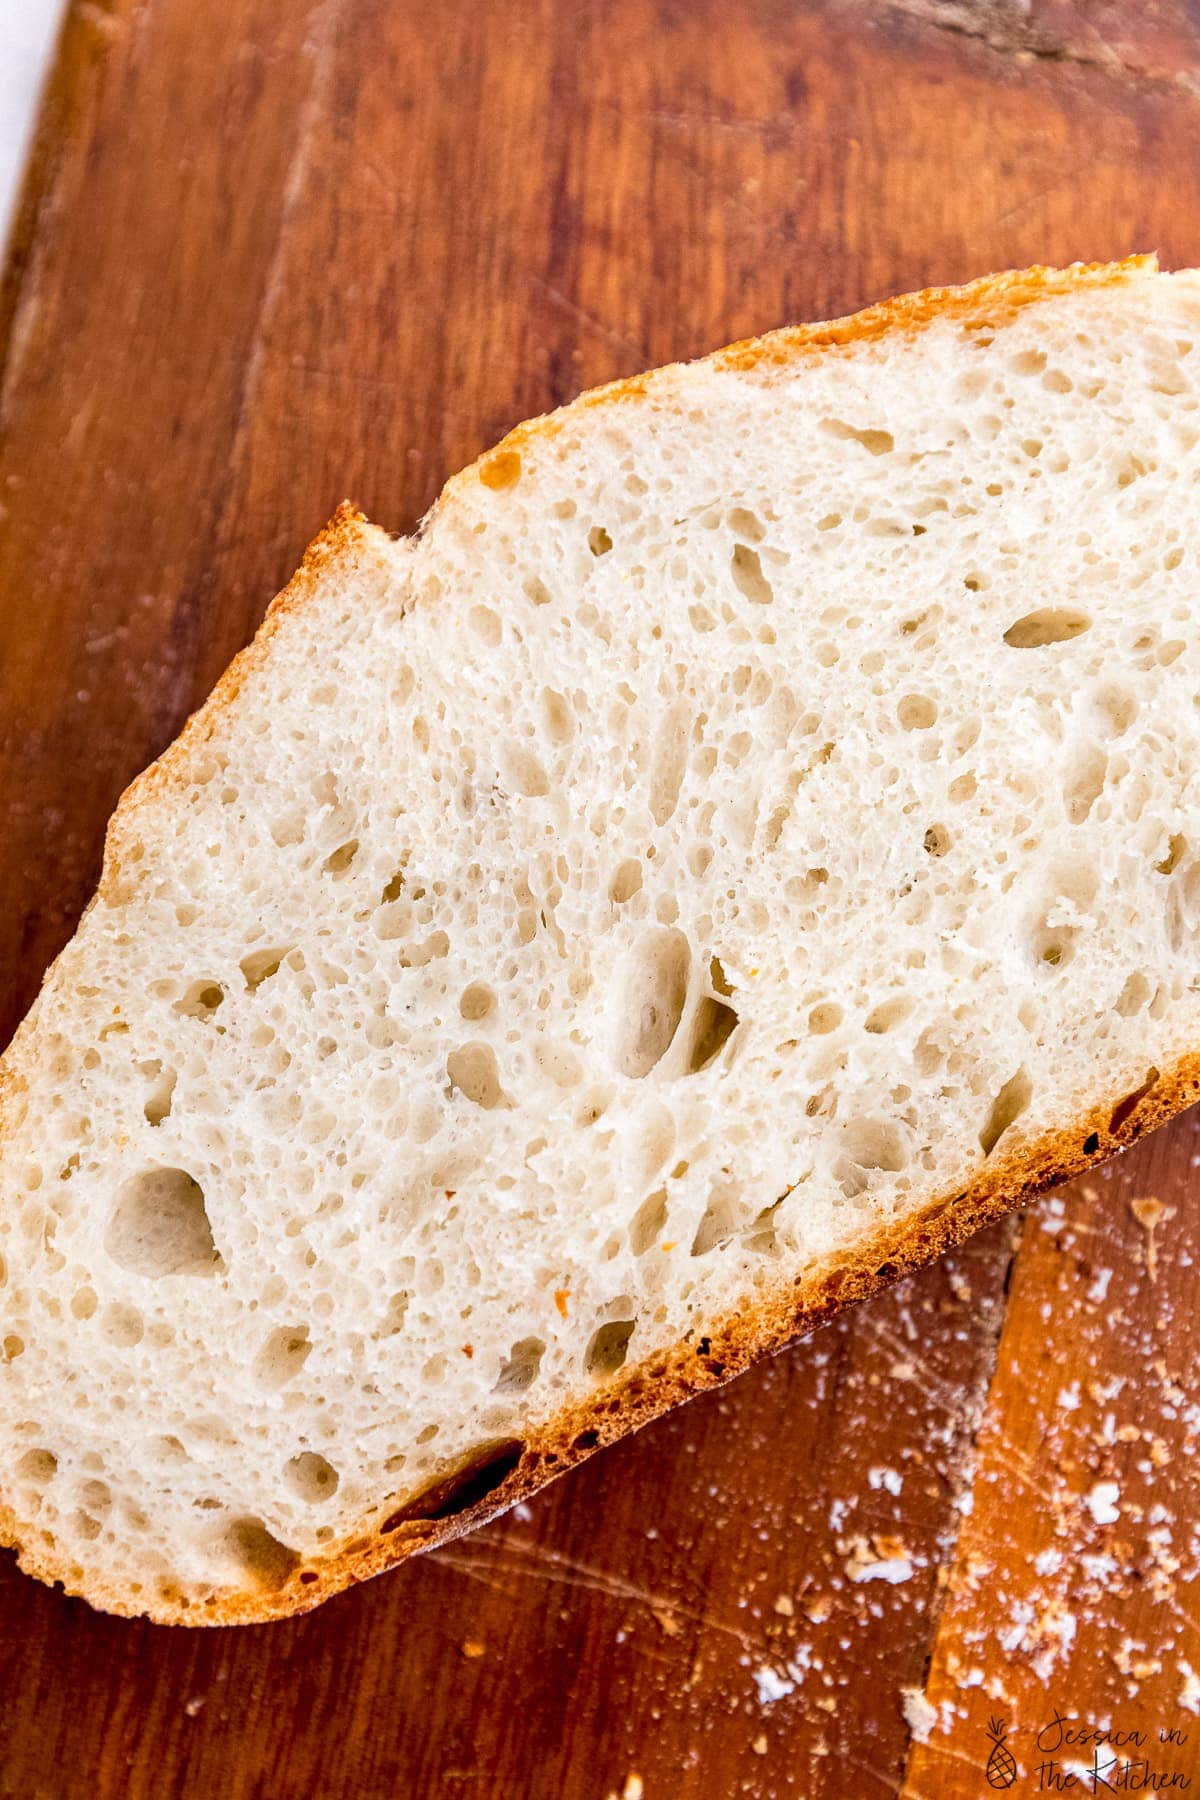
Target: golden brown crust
(780, 1313)
(976, 303)
(347, 540)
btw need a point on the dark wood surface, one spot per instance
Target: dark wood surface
(271, 254)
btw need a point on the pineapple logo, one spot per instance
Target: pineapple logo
(1001, 1770)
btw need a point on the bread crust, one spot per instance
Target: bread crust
(781, 1311)
(979, 303)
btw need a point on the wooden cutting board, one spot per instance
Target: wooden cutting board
(271, 254)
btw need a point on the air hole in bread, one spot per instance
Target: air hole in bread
(282, 1356)
(1135, 993)
(157, 1106)
(595, 1105)
(393, 1318)
(481, 1475)
(1085, 784)
(339, 860)
(712, 1025)
(760, 1235)
(1125, 1109)
(1053, 949)
(670, 762)
(936, 840)
(1176, 851)
(878, 442)
(1012, 1100)
(647, 1223)
(721, 983)
(718, 1222)
(875, 1144)
(917, 712)
(259, 966)
(556, 715)
(38, 1467)
(420, 955)
(1132, 469)
(262, 1558)
(746, 524)
(609, 1347)
(477, 1001)
(599, 542)
(1048, 625)
(888, 1014)
(748, 577)
(122, 1326)
(522, 773)
(652, 996)
(312, 1478)
(626, 881)
(520, 1370)
(485, 623)
(160, 1226)
(201, 999)
(393, 888)
(474, 1073)
(825, 1018)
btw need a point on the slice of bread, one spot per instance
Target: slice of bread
(746, 840)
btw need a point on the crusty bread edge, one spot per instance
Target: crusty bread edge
(781, 1312)
(976, 303)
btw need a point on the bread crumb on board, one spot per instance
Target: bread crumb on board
(1150, 1214)
(1101, 1502)
(634, 1788)
(771, 1685)
(919, 1714)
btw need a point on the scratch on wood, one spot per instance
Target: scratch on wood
(627, 346)
(945, 1397)
(544, 1564)
(1067, 177)
(778, 127)
(320, 30)
(908, 1791)
(856, 1762)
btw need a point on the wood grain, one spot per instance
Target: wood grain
(270, 255)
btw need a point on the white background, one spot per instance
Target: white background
(27, 32)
